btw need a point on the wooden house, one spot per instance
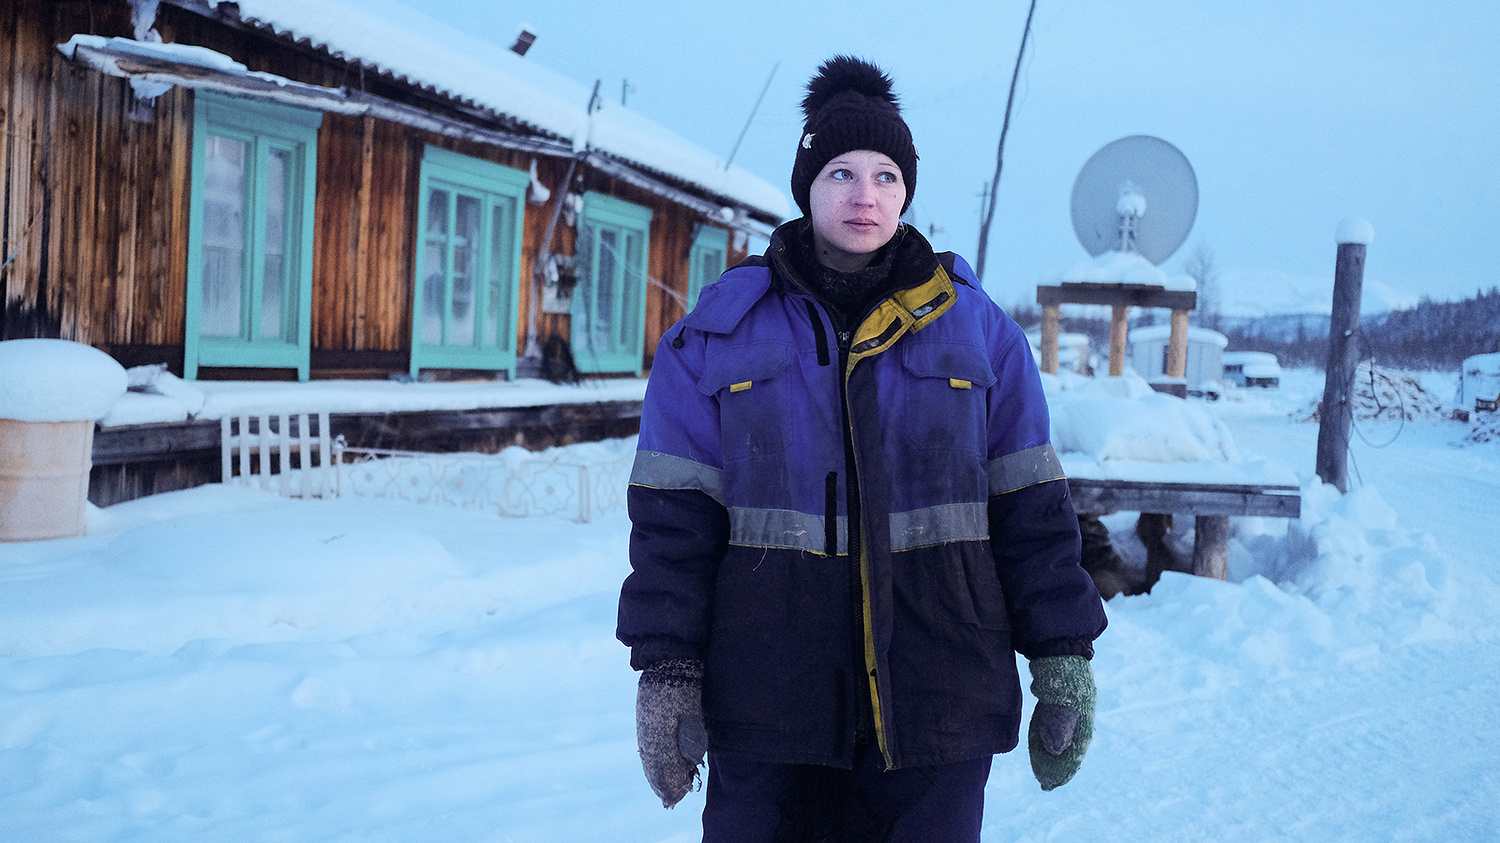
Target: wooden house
(288, 189)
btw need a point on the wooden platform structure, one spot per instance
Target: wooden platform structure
(1120, 297)
(1211, 504)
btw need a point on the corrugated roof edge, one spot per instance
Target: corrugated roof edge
(736, 187)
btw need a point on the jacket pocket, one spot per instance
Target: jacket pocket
(948, 385)
(750, 384)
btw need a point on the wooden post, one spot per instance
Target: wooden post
(1211, 546)
(1152, 528)
(1050, 318)
(1337, 410)
(1118, 325)
(1177, 342)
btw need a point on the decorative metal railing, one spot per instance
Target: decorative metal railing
(293, 455)
(515, 483)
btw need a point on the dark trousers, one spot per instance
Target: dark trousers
(750, 802)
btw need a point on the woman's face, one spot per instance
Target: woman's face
(856, 204)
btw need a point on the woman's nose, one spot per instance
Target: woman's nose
(864, 193)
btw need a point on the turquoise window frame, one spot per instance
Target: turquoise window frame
(609, 300)
(707, 260)
(499, 193)
(265, 128)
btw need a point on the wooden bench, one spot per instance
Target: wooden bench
(1211, 504)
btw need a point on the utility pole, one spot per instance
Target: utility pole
(1336, 413)
(989, 213)
(753, 109)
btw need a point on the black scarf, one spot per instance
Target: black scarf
(906, 260)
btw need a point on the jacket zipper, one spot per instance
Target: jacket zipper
(860, 560)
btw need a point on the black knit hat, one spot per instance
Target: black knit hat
(849, 105)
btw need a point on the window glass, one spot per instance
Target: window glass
(606, 317)
(276, 246)
(465, 241)
(224, 203)
(499, 324)
(435, 278)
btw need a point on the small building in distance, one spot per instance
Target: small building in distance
(1479, 382)
(1205, 356)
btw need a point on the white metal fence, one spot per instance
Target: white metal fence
(515, 483)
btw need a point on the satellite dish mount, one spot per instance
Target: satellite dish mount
(1109, 208)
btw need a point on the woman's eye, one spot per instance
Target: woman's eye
(841, 174)
(889, 178)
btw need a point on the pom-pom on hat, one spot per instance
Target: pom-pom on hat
(849, 105)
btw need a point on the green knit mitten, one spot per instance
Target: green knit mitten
(1063, 723)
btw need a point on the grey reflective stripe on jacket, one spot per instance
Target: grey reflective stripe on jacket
(784, 528)
(1023, 468)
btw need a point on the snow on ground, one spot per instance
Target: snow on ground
(220, 664)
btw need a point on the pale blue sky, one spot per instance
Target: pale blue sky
(1294, 116)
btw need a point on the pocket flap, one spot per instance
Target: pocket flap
(959, 364)
(740, 368)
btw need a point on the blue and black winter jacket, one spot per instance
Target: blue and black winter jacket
(855, 531)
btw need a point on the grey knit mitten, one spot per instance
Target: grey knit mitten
(1063, 723)
(669, 726)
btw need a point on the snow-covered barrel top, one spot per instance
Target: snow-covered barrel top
(57, 380)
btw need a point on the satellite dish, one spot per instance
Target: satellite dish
(1137, 194)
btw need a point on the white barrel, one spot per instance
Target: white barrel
(44, 478)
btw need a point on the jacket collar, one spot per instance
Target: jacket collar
(912, 264)
(909, 309)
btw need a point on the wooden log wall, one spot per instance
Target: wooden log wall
(94, 224)
(362, 254)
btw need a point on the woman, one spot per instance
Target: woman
(847, 521)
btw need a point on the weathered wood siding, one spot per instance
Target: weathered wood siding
(95, 207)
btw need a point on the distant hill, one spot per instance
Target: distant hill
(1261, 293)
(1430, 335)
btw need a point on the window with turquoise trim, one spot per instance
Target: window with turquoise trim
(609, 300)
(468, 260)
(250, 235)
(706, 260)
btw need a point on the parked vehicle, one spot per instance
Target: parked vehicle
(1252, 368)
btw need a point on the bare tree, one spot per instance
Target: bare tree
(989, 212)
(1204, 270)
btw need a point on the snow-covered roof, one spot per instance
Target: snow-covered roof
(1483, 364)
(1149, 333)
(392, 38)
(1249, 357)
(1115, 267)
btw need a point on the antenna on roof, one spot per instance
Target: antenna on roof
(524, 39)
(754, 109)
